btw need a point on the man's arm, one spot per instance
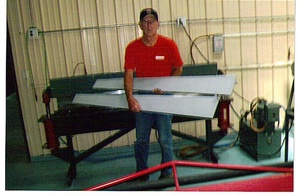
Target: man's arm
(133, 104)
(176, 71)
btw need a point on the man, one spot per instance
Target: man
(151, 55)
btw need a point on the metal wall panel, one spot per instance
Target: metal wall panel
(17, 36)
(93, 34)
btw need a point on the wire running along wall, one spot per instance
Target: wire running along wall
(92, 35)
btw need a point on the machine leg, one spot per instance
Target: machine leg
(210, 154)
(72, 172)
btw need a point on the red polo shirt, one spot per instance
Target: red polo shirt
(154, 61)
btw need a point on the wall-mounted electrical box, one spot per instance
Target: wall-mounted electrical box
(181, 21)
(33, 33)
(218, 43)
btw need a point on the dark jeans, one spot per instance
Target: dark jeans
(144, 123)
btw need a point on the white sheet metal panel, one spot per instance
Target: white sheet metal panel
(220, 84)
(197, 106)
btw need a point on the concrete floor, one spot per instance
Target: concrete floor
(49, 173)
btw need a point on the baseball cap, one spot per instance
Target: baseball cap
(148, 11)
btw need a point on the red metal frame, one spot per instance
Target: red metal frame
(269, 183)
(275, 183)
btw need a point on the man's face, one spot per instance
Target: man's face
(149, 25)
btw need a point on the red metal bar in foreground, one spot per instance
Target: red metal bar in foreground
(276, 178)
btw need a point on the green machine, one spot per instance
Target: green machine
(258, 134)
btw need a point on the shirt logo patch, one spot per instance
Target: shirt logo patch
(159, 58)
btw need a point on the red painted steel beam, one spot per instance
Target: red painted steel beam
(232, 166)
(175, 163)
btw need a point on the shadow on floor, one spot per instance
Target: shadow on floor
(16, 145)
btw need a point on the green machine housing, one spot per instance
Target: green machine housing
(259, 136)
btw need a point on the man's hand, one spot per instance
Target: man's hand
(158, 91)
(134, 105)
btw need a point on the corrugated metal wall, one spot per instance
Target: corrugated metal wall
(94, 34)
